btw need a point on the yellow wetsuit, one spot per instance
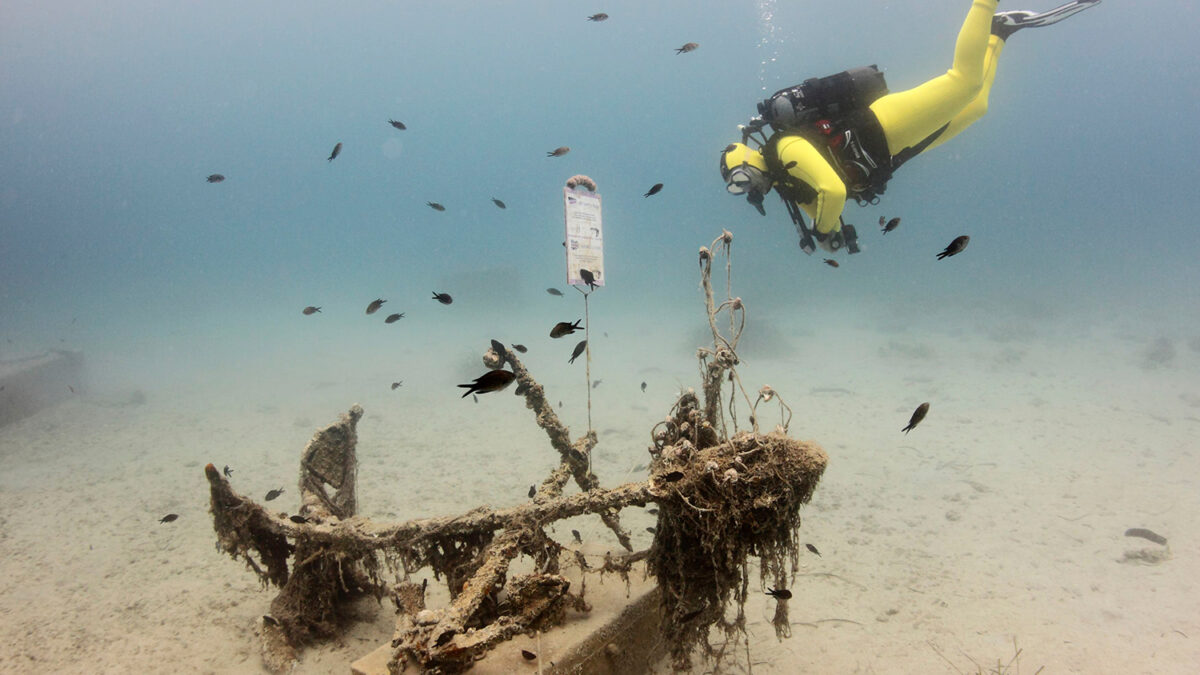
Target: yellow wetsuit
(907, 118)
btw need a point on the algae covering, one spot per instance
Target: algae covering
(725, 494)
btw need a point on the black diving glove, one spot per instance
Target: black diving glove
(846, 237)
(831, 242)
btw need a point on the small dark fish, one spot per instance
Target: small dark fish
(270, 620)
(730, 147)
(393, 318)
(564, 328)
(1147, 535)
(493, 380)
(228, 472)
(435, 206)
(917, 416)
(653, 512)
(643, 387)
(298, 519)
(554, 291)
(397, 385)
(789, 165)
(532, 491)
(780, 593)
(655, 189)
(812, 549)
(474, 398)
(652, 530)
(578, 350)
(588, 278)
(831, 262)
(598, 17)
(498, 203)
(673, 476)
(891, 224)
(71, 388)
(521, 348)
(689, 47)
(215, 178)
(398, 125)
(337, 150)
(310, 310)
(169, 518)
(443, 298)
(578, 537)
(529, 656)
(558, 152)
(596, 384)
(274, 493)
(955, 247)
(560, 404)
(375, 305)
(521, 389)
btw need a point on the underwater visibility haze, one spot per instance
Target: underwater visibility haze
(171, 202)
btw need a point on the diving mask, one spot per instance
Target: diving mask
(745, 178)
(744, 170)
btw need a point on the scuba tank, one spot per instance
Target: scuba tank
(833, 113)
(826, 97)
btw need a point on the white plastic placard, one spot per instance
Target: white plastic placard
(585, 235)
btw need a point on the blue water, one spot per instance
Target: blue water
(1075, 190)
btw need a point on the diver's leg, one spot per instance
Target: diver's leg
(908, 117)
(1007, 23)
(979, 105)
(1002, 27)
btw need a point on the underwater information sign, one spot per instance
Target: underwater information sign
(585, 235)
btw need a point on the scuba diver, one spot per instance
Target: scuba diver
(844, 135)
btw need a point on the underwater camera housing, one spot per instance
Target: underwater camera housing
(846, 238)
(823, 97)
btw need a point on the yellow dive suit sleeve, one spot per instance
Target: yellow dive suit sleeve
(806, 164)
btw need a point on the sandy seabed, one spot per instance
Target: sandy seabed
(999, 519)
